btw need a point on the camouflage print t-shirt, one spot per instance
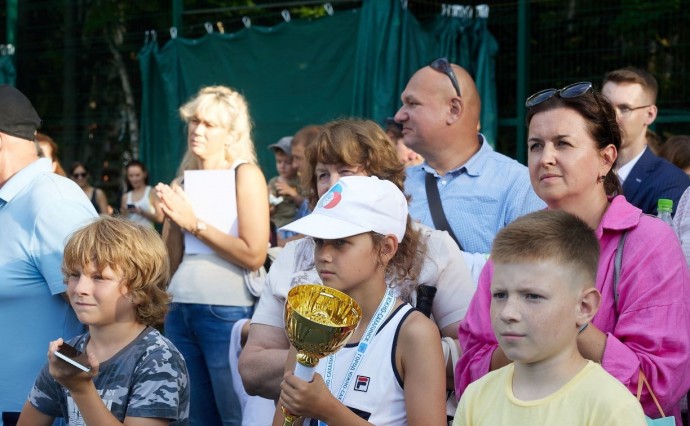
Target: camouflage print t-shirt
(147, 378)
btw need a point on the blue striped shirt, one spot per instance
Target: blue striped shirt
(479, 198)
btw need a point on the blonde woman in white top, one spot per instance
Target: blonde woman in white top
(208, 289)
(140, 204)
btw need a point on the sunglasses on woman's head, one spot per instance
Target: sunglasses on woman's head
(442, 65)
(570, 91)
(79, 175)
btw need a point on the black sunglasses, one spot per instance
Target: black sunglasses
(442, 65)
(79, 175)
(568, 92)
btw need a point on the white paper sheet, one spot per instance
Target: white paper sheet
(212, 194)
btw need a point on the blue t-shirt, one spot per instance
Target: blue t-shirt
(479, 198)
(147, 378)
(38, 211)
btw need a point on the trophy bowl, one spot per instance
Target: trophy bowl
(319, 320)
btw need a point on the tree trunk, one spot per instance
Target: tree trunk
(129, 105)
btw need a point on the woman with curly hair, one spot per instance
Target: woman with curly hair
(343, 148)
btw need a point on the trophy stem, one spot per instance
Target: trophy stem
(305, 366)
(304, 369)
(304, 372)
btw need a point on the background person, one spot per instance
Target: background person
(38, 211)
(480, 190)
(676, 149)
(80, 174)
(209, 293)
(645, 176)
(301, 140)
(654, 141)
(681, 224)
(407, 156)
(298, 145)
(49, 149)
(643, 322)
(283, 190)
(140, 203)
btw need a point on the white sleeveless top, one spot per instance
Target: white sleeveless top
(208, 279)
(144, 204)
(376, 391)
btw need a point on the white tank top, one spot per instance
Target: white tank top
(376, 391)
(208, 279)
(144, 204)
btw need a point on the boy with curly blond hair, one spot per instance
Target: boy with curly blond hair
(116, 273)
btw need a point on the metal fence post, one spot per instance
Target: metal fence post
(522, 82)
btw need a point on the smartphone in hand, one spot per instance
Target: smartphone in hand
(72, 356)
(131, 207)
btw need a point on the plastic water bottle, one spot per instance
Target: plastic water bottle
(664, 210)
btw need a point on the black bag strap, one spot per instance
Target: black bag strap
(436, 208)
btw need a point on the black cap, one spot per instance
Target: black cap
(17, 116)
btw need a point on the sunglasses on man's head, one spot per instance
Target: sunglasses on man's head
(79, 175)
(570, 91)
(442, 65)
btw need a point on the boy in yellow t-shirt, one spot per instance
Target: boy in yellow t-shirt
(543, 295)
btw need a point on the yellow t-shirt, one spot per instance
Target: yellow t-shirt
(593, 397)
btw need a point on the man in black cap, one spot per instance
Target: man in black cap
(38, 211)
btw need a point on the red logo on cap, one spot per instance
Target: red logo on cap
(333, 197)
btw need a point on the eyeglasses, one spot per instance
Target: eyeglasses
(79, 175)
(568, 92)
(442, 65)
(625, 110)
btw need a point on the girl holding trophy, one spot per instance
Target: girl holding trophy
(362, 234)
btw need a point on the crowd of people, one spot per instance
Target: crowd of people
(491, 293)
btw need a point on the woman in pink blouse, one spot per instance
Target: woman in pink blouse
(643, 321)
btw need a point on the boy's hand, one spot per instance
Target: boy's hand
(306, 399)
(69, 376)
(283, 188)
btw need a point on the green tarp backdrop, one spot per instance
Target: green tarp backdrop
(8, 74)
(352, 63)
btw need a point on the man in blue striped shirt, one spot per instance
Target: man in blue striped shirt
(481, 191)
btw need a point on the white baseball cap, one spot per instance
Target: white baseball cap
(355, 205)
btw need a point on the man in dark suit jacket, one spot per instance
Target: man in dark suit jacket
(645, 177)
(652, 178)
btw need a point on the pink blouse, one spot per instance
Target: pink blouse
(652, 328)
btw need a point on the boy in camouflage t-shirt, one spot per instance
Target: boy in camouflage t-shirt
(116, 273)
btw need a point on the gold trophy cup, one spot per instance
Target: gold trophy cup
(319, 320)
